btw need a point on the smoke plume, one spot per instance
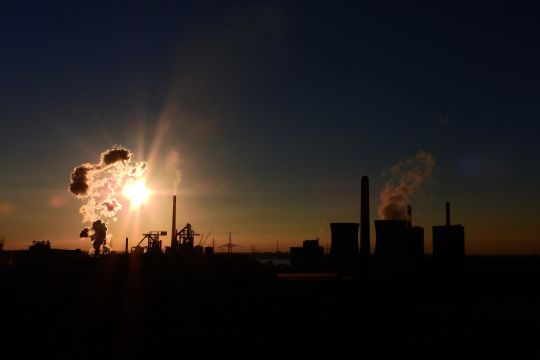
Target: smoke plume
(407, 178)
(98, 234)
(172, 164)
(115, 154)
(98, 185)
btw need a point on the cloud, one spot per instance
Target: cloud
(115, 154)
(100, 183)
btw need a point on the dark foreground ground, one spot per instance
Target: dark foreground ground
(68, 304)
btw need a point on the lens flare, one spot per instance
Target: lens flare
(137, 192)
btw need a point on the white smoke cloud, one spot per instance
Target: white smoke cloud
(172, 166)
(99, 184)
(407, 177)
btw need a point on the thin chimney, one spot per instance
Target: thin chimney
(174, 243)
(409, 216)
(364, 217)
(447, 213)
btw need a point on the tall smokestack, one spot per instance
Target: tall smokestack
(447, 213)
(409, 216)
(126, 245)
(364, 218)
(174, 243)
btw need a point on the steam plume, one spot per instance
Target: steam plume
(407, 178)
(98, 184)
(172, 164)
(115, 154)
(98, 234)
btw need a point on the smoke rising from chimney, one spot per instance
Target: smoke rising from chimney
(172, 166)
(98, 234)
(98, 185)
(407, 177)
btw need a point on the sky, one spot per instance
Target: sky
(277, 110)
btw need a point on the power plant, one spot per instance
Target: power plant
(309, 257)
(448, 241)
(399, 244)
(181, 241)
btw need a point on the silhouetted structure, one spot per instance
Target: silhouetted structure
(185, 238)
(364, 218)
(40, 246)
(309, 257)
(153, 245)
(399, 244)
(449, 242)
(344, 245)
(229, 245)
(415, 241)
(391, 245)
(174, 240)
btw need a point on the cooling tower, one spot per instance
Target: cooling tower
(344, 245)
(391, 244)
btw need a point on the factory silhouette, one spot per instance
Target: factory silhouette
(399, 244)
(154, 299)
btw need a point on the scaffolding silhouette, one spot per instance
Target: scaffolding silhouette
(153, 244)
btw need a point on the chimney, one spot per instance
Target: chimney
(409, 216)
(447, 213)
(126, 245)
(364, 218)
(174, 243)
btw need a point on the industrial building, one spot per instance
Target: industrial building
(399, 244)
(415, 241)
(449, 242)
(344, 245)
(309, 257)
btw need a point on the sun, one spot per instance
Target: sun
(137, 192)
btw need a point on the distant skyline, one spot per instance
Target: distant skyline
(276, 111)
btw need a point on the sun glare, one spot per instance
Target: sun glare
(137, 192)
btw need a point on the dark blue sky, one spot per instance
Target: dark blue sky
(281, 106)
